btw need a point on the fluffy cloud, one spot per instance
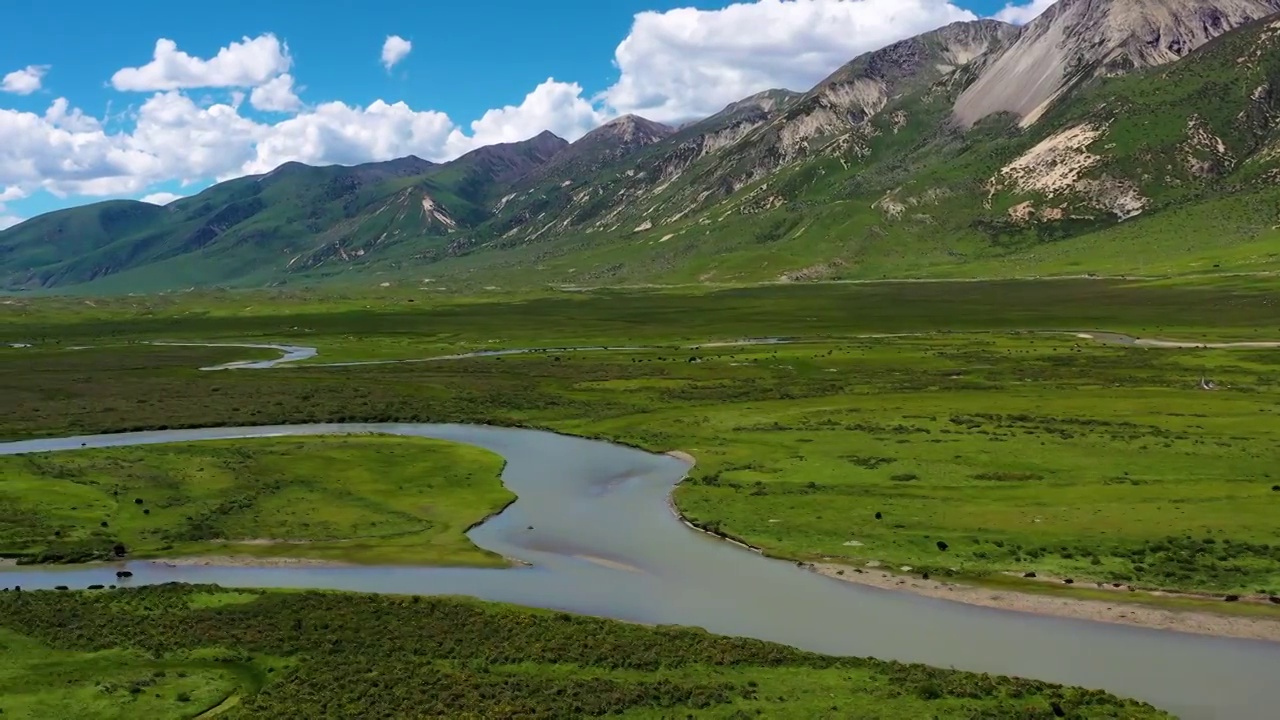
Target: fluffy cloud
(161, 198)
(277, 95)
(7, 194)
(61, 115)
(24, 81)
(65, 152)
(335, 132)
(555, 106)
(686, 63)
(394, 50)
(248, 63)
(1023, 14)
(10, 193)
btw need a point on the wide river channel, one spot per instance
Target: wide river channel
(593, 522)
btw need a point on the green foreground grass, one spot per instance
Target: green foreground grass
(177, 651)
(358, 499)
(984, 451)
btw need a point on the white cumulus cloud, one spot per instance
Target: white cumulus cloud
(555, 106)
(8, 193)
(248, 63)
(25, 81)
(174, 138)
(335, 132)
(277, 95)
(686, 63)
(1023, 14)
(161, 198)
(394, 50)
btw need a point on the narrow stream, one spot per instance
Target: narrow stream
(297, 353)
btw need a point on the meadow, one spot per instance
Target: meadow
(178, 651)
(907, 424)
(353, 499)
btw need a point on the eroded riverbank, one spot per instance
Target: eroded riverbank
(1119, 612)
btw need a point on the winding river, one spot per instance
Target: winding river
(593, 522)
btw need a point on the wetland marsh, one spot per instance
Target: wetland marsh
(976, 448)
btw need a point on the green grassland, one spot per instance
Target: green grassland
(176, 651)
(417, 319)
(1021, 455)
(1022, 452)
(358, 499)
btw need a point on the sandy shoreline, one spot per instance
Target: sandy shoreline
(252, 561)
(682, 455)
(236, 561)
(1120, 612)
(246, 561)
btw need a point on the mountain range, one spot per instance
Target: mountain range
(1105, 136)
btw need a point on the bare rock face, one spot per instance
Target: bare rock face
(1077, 40)
(836, 113)
(629, 130)
(860, 89)
(610, 142)
(767, 101)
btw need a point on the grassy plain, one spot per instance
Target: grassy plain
(358, 499)
(175, 651)
(1021, 452)
(1231, 307)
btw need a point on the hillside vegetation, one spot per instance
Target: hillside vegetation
(195, 651)
(903, 163)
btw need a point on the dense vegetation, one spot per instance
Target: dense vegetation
(1021, 452)
(364, 499)
(177, 651)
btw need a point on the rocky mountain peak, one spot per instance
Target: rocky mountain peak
(608, 143)
(631, 130)
(1077, 40)
(963, 42)
(766, 101)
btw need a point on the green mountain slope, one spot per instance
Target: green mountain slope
(259, 229)
(1165, 169)
(909, 161)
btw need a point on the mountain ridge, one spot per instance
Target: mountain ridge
(876, 171)
(1077, 40)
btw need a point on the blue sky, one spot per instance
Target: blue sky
(306, 81)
